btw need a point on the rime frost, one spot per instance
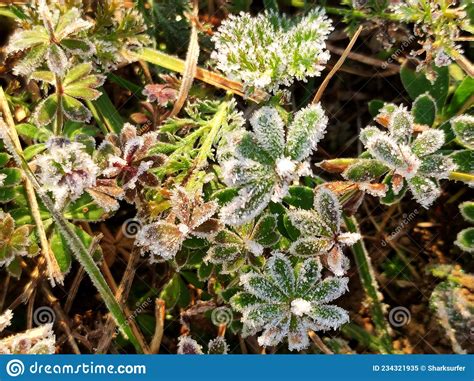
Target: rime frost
(408, 160)
(189, 216)
(268, 51)
(263, 164)
(320, 231)
(286, 302)
(66, 170)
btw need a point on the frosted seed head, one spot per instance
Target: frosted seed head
(188, 346)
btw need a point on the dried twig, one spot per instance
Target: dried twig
(159, 326)
(319, 343)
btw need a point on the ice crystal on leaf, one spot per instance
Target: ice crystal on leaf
(269, 50)
(125, 158)
(320, 231)
(55, 36)
(5, 319)
(463, 127)
(77, 84)
(234, 248)
(66, 170)
(189, 216)
(14, 241)
(286, 302)
(409, 160)
(262, 164)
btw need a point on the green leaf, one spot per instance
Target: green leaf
(44, 76)
(425, 190)
(7, 194)
(37, 134)
(265, 231)
(467, 210)
(464, 159)
(243, 300)
(428, 142)
(77, 72)
(328, 290)
(4, 158)
(56, 59)
(75, 110)
(465, 240)
(375, 106)
(329, 316)
(300, 197)
(309, 272)
(269, 130)
(417, 84)
(61, 251)
(328, 207)
(31, 151)
(305, 131)
(13, 176)
(424, 109)
(46, 110)
(78, 47)
(248, 147)
(84, 209)
(105, 113)
(175, 293)
(461, 95)
(14, 268)
(279, 268)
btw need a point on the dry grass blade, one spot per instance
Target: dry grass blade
(336, 67)
(190, 64)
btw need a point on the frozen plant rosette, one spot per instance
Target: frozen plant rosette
(284, 302)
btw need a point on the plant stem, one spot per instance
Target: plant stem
(54, 272)
(461, 176)
(58, 123)
(369, 283)
(75, 244)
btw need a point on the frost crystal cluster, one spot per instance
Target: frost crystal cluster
(410, 161)
(285, 302)
(263, 163)
(269, 50)
(320, 231)
(66, 170)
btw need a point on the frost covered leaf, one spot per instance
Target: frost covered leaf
(286, 301)
(467, 210)
(46, 110)
(425, 191)
(269, 130)
(463, 127)
(365, 170)
(15, 241)
(5, 319)
(262, 165)
(305, 131)
(465, 240)
(436, 166)
(190, 216)
(269, 50)
(320, 231)
(400, 125)
(428, 142)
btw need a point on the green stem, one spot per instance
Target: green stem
(76, 245)
(369, 283)
(461, 176)
(58, 124)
